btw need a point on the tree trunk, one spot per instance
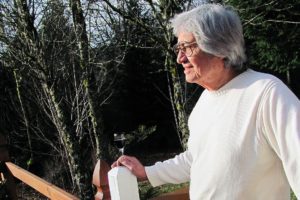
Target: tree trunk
(176, 94)
(24, 115)
(29, 36)
(79, 173)
(162, 13)
(83, 45)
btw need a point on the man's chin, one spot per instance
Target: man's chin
(189, 80)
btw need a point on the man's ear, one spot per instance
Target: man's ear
(226, 62)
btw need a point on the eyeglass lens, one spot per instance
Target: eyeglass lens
(185, 48)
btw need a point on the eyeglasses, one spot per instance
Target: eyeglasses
(186, 48)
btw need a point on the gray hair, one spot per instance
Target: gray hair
(218, 31)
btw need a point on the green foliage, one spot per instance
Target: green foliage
(293, 196)
(272, 34)
(146, 191)
(29, 162)
(139, 135)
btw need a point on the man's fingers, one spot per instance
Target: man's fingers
(128, 164)
(121, 161)
(115, 164)
(133, 165)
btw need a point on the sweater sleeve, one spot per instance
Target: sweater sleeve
(281, 122)
(175, 170)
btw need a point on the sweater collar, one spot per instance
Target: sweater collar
(231, 84)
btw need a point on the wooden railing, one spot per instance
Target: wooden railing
(103, 176)
(100, 180)
(127, 190)
(121, 180)
(47, 189)
(180, 194)
(9, 171)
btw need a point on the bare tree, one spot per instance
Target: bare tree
(69, 74)
(28, 50)
(84, 59)
(159, 30)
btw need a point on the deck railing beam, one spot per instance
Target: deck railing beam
(49, 190)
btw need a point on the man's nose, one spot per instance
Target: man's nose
(180, 57)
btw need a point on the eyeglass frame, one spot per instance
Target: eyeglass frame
(182, 47)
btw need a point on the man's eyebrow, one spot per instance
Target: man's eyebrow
(185, 42)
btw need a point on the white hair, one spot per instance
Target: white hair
(218, 31)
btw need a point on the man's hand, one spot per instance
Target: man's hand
(133, 164)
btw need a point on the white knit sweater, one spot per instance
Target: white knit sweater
(244, 143)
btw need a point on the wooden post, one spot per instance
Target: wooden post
(123, 184)
(180, 194)
(6, 174)
(100, 180)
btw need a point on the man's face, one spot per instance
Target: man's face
(199, 67)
